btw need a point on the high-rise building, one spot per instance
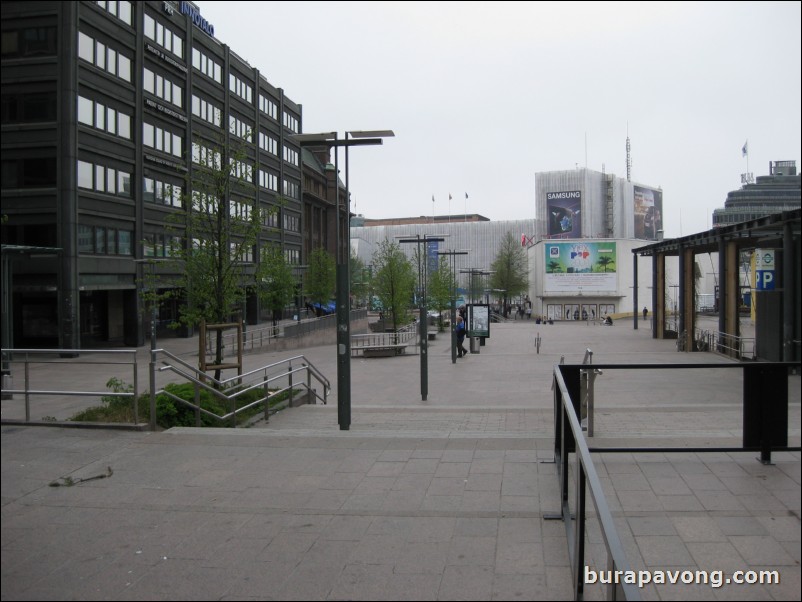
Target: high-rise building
(108, 111)
(779, 191)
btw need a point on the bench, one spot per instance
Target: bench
(432, 335)
(380, 350)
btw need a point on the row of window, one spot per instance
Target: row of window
(28, 42)
(292, 189)
(268, 180)
(291, 156)
(268, 107)
(164, 36)
(208, 66)
(268, 143)
(121, 10)
(240, 88)
(292, 223)
(162, 193)
(104, 179)
(206, 111)
(163, 88)
(106, 119)
(162, 140)
(160, 245)
(28, 107)
(104, 241)
(239, 128)
(104, 57)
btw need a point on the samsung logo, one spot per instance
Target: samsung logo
(197, 20)
(576, 194)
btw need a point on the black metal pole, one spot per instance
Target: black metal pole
(343, 310)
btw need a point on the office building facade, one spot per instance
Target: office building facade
(109, 111)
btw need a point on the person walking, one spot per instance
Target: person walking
(461, 337)
(645, 312)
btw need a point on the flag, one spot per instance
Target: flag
(432, 198)
(466, 195)
(449, 196)
(745, 149)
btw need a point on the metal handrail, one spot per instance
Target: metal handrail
(9, 358)
(587, 385)
(566, 422)
(201, 380)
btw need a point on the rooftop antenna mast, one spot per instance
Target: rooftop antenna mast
(629, 157)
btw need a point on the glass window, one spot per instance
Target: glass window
(85, 242)
(100, 179)
(124, 242)
(123, 184)
(124, 70)
(85, 111)
(148, 80)
(150, 27)
(124, 125)
(86, 47)
(111, 120)
(100, 116)
(100, 240)
(111, 181)
(100, 55)
(84, 175)
(147, 135)
(112, 62)
(125, 11)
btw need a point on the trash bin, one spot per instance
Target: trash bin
(474, 344)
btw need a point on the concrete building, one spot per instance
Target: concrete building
(108, 110)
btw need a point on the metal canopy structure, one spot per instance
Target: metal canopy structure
(779, 231)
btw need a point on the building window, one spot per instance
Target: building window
(292, 189)
(104, 57)
(241, 170)
(267, 106)
(291, 156)
(292, 223)
(268, 143)
(204, 203)
(205, 156)
(28, 42)
(162, 140)
(161, 193)
(100, 240)
(239, 128)
(239, 210)
(104, 179)
(270, 218)
(121, 10)
(34, 107)
(292, 256)
(28, 172)
(104, 118)
(164, 88)
(206, 111)
(240, 87)
(164, 36)
(268, 180)
(290, 122)
(209, 67)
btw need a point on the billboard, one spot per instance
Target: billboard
(563, 214)
(478, 320)
(648, 212)
(573, 267)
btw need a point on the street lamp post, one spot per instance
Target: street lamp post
(423, 327)
(358, 138)
(452, 255)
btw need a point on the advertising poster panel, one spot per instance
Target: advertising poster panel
(648, 212)
(478, 321)
(572, 267)
(563, 214)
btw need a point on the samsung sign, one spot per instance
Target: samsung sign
(197, 20)
(550, 196)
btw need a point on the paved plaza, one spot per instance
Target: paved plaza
(442, 499)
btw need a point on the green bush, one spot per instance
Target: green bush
(170, 412)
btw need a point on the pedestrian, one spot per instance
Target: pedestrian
(461, 337)
(645, 312)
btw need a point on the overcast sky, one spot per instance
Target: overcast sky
(482, 96)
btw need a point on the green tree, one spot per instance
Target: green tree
(554, 267)
(220, 228)
(605, 262)
(394, 281)
(278, 284)
(321, 277)
(510, 268)
(441, 285)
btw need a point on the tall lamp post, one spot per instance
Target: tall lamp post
(352, 138)
(423, 327)
(452, 255)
